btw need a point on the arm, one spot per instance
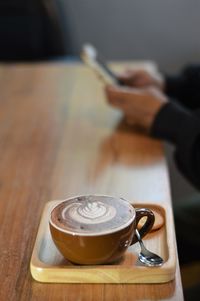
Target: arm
(152, 110)
(185, 87)
(183, 131)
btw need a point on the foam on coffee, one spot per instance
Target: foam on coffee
(90, 215)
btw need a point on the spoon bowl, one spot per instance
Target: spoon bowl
(147, 257)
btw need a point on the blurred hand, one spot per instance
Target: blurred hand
(140, 106)
(142, 79)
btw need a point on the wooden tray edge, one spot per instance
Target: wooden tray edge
(42, 272)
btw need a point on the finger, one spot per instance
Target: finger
(113, 95)
(122, 92)
(128, 77)
(121, 96)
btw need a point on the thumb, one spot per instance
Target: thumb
(115, 95)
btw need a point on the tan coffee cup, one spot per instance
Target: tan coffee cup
(96, 229)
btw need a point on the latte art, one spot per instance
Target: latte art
(89, 212)
(88, 215)
(92, 210)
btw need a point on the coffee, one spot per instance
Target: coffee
(96, 229)
(92, 215)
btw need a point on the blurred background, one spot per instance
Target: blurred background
(166, 32)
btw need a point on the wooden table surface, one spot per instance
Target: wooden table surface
(59, 138)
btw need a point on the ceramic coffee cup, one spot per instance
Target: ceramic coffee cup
(96, 229)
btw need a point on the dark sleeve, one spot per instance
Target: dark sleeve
(182, 128)
(185, 87)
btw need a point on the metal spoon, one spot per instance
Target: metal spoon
(146, 257)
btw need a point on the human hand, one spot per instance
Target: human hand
(139, 106)
(142, 78)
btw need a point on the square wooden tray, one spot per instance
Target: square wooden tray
(48, 265)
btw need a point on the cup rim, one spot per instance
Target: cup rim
(74, 233)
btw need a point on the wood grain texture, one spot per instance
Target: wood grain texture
(59, 138)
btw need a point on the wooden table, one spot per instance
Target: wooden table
(59, 138)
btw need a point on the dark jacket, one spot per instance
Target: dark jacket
(179, 121)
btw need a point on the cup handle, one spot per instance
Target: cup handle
(140, 213)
